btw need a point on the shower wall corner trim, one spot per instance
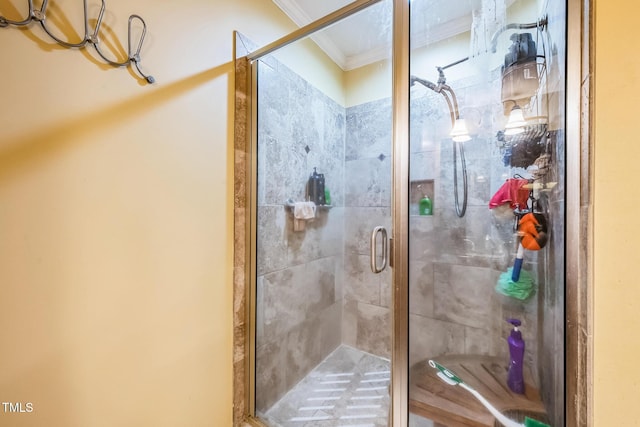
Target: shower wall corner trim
(579, 182)
(400, 216)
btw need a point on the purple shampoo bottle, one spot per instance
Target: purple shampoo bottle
(515, 379)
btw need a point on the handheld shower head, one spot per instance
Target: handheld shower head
(459, 133)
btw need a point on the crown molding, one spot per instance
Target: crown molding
(419, 39)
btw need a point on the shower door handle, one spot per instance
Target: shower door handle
(374, 249)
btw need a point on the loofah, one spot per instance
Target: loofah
(522, 289)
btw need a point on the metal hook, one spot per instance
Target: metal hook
(95, 40)
(133, 57)
(5, 22)
(40, 15)
(136, 56)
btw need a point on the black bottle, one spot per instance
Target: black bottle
(315, 188)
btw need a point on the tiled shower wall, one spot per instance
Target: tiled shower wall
(367, 296)
(315, 287)
(455, 262)
(299, 273)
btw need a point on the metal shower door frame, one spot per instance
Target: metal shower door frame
(399, 246)
(578, 295)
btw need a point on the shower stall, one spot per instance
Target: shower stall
(404, 171)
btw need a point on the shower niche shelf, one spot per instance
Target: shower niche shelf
(289, 206)
(417, 189)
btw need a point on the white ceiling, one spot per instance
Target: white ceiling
(366, 37)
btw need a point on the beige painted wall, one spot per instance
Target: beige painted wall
(116, 218)
(617, 290)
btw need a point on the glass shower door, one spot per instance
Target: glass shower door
(323, 203)
(486, 226)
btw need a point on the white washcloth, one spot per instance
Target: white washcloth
(304, 210)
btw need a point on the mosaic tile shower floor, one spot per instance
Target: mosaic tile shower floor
(349, 388)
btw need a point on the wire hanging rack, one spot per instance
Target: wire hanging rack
(92, 38)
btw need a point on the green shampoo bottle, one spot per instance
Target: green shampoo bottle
(425, 207)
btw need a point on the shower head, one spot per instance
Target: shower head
(413, 80)
(443, 89)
